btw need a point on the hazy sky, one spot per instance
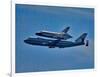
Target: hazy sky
(31, 19)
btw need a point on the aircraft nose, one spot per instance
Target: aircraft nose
(26, 41)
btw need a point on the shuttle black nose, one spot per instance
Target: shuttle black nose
(38, 33)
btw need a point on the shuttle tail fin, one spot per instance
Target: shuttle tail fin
(81, 38)
(66, 29)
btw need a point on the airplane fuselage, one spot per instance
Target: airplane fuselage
(49, 43)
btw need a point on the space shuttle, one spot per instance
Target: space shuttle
(55, 35)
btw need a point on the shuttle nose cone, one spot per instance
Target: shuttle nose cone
(38, 33)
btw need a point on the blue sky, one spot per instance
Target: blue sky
(32, 18)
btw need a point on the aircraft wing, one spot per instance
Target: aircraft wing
(53, 43)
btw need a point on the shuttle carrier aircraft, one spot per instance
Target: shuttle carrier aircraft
(55, 39)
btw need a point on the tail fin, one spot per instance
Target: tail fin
(81, 38)
(66, 29)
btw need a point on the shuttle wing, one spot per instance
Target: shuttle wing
(56, 35)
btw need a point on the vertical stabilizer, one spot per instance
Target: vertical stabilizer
(81, 38)
(66, 29)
